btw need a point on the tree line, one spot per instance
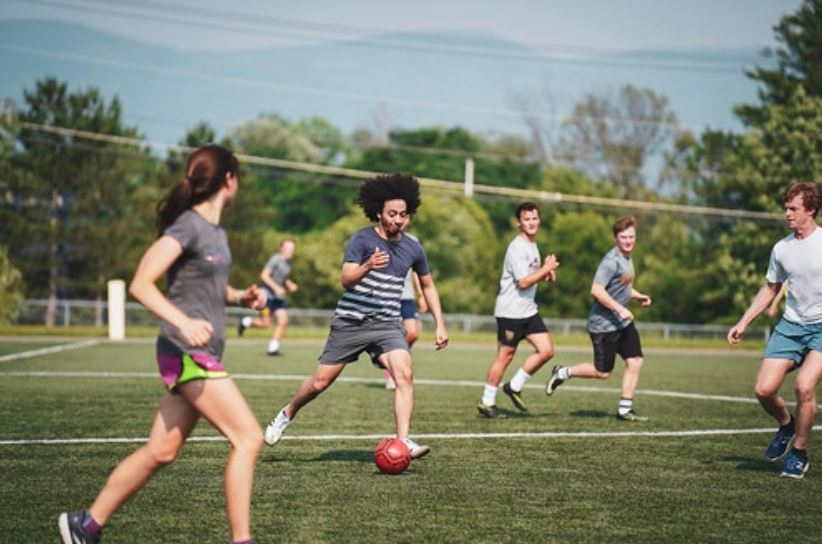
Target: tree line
(77, 211)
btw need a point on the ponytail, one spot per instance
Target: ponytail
(206, 170)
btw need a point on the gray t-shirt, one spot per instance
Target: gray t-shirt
(196, 282)
(521, 259)
(280, 269)
(616, 273)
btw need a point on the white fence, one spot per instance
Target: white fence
(95, 313)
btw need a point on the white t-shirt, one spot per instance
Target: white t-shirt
(521, 259)
(799, 263)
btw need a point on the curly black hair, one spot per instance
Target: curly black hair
(376, 191)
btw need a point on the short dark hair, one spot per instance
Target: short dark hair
(526, 207)
(374, 193)
(809, 190)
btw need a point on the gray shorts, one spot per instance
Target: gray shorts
(349, 338)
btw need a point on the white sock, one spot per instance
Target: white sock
(274, 345)
(519, 379)
(564, 373)
(246, 321)
(625, 406)
(489, 395)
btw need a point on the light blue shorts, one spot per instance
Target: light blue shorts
(792, 341)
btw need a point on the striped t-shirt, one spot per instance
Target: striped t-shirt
(377, 295)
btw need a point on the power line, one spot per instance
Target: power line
(443, 185)
(259, 24)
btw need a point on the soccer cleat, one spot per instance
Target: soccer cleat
(515, 396)
(273, 347)
(276, 427)
(416, 450)
(796, 465)
(240, 327)
(72, 531)
(631, 416)
(553, 381)
(491, 412)
(780, 444)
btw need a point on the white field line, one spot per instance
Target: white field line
(47, 351)
(449, 436)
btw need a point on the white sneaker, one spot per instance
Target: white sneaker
(417, 450)
(273, 347)
(390, 383)
(276, 427)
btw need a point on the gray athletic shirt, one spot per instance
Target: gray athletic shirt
(196, 282)
(280, 269)
(799, 263)
(521, 259)
(616, 273)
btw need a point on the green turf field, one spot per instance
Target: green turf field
(566, 472)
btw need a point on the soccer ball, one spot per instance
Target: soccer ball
(392, 456)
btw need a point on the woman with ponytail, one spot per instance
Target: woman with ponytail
(191, 251)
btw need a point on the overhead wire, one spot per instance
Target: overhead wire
(452, 187)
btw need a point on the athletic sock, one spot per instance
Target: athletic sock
(564, 373)
(519, 379)
(489, 395)
(246, 321)
(90, 525)
(791, 425)
(625, 406)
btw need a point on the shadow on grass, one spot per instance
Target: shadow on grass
(590, 413)
(746, 463)
(361, 456)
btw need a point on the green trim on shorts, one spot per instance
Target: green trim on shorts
(192, 371)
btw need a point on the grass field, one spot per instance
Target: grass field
(568, 471)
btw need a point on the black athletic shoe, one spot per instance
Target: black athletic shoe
(631, 416)
(240, 327)
(553, 381)
(515, 396)
(491, 412)
(71, 529)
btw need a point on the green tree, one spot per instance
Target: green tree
(76, 193)
(12, 300)
(798, 63)
(613, 138)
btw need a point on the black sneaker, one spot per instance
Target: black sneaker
(240, 327)
(515, 396)
(71, 529)
(631, 416)
(491, 412)
(553, 381)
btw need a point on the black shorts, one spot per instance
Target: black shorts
(511, 331)
(608, 344)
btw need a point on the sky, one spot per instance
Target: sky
(552, 25)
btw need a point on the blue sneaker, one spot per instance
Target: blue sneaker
(796, 465)
(72, 531)
(780, 443)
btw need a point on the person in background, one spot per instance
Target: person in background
(192, 252)
(367, 317)
(611, 324)
(517, 314)
(796, 341)
(275, 278)
(409, 312)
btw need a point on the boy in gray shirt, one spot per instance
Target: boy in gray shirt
(611, 324)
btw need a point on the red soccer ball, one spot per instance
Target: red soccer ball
(392, 456)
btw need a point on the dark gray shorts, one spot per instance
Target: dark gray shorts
(349, 338)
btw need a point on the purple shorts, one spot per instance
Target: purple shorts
(177, 369)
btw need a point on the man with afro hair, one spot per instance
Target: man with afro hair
(367, 317)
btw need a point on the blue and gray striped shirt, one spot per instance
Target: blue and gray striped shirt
(377, 295)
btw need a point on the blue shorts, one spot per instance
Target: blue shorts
(408, 309)
(273, 304)
(792, 341)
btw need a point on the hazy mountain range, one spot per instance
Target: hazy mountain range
(409, 80)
